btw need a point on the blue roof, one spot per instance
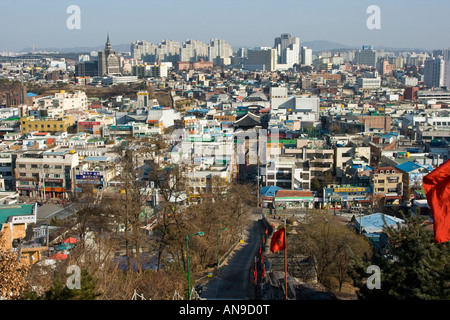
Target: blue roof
(374, 223)
(94, 158)
(198, 110)
(411, 166)
(269, 191)
(31, 94)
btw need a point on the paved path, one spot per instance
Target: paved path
(233, 278)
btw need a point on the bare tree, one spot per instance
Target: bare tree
(331, 244)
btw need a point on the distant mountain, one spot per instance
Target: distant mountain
(323, 45)
(315, 45)
(119, 48)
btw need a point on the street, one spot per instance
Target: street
(232, 280)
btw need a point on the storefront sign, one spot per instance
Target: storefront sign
(23, 219)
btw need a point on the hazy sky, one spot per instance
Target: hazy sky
(404, 23)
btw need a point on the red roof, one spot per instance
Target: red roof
(59, 256)
(70, 240)
(294, 193)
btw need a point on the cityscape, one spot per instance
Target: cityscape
(201, 170)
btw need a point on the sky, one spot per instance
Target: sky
(242, 23)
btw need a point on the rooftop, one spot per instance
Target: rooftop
(15, 210)
(374, 223)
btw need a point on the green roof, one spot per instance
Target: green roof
(15, 210)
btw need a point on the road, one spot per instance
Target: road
(232, 282)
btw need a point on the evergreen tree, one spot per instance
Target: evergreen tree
(412, 266)
(59, 290)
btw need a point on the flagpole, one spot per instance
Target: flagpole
(285, 261)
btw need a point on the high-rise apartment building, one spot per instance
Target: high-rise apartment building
(446, 58)
(434, 72)
(219, 50)
(140, 49)
(306, 56)
(193, 50)
(167, 50)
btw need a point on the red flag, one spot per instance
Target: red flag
(437, 189)
(255, 276)
(277, 242)
(263, 272)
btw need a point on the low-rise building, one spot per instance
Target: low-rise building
(46, 175)
(388, 185)
(31, 124)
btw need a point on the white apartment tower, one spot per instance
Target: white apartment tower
(434, 72)
(288, 49)
(306, 57)
(193, 50)
(218, 48)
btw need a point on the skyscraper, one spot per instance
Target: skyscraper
(306, 58)
(434, 72)
(219, 50)
(446, 58)
(108, 60)
(288, 49)
(367, 56)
